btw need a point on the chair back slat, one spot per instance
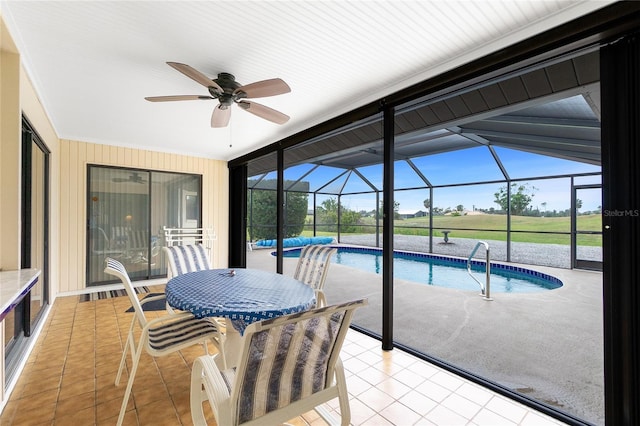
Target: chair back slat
(137, 239)
(187, 258)
(289, 358)
(117, 269)
(313, 265)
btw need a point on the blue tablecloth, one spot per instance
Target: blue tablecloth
(249, 295)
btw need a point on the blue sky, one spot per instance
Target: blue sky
(463, 166)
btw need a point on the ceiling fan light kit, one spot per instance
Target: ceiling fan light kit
(228, 91)
(132, 178)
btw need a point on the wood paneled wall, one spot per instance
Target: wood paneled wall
(74, 157)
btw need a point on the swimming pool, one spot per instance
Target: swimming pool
(443, 271)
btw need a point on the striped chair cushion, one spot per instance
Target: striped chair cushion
(287, 363)
(187, 258)
(137, 240)
(174, 333)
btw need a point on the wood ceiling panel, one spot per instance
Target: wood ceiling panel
(457, 106)
(536, 83)
(587, 68)
(514, 90)
(494, 96)
(562, 76)
(428, 116)
(442, 111)
(474, 101)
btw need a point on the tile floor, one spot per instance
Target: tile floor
(69, 380)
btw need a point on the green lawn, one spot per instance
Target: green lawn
(476, 227)
(534, 228)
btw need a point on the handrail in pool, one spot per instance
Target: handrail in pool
(486, 288)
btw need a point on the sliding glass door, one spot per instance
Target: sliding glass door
(34, 248)
(127, 210)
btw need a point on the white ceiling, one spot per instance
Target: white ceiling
(93, 62)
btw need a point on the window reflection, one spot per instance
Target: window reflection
(127, 210)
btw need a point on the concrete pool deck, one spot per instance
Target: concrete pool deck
(546, 345)
(554, 255)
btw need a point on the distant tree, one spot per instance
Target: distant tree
(327, 214)
(460, 207)
(521, 196)
(349, 220)
(262, 214)
(427, 203)
(578, 204)
(263, 210)
(296, 207)
(396, 209)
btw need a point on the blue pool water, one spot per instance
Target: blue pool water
(444, 271)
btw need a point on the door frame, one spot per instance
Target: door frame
(577, 263)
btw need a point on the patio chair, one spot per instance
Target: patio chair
(312, 268)
(161, 336)
(287, 366)
(186, 258)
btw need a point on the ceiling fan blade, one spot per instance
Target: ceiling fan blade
(261, 89)
(177, 98)
(195, 75)
(220, 116)
(264, 112)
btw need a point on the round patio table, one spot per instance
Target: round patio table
(242, 297)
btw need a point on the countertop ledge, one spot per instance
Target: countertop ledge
(14, 285)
